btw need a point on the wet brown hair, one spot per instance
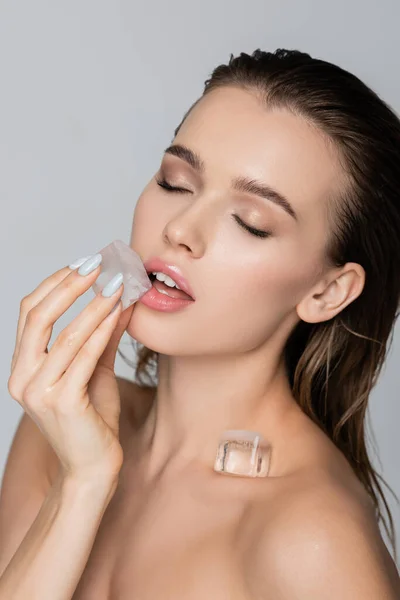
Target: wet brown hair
(332, 366)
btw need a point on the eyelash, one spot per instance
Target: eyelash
(255, 232)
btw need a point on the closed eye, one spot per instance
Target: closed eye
(257, 232)
(170, 188)
(252, 230)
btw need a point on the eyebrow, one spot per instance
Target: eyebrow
(240, 184)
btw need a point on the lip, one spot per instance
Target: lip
(157, 264)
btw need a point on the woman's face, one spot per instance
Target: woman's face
(247, 288)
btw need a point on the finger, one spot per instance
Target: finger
(28, 302)
(70, 341)
(85, 362)
(40, 319)
(107, 359)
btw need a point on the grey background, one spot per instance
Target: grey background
(90, 94)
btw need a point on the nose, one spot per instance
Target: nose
(189, 230)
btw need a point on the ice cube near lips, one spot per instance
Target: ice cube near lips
(119, 257)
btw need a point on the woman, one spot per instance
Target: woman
(276, 209)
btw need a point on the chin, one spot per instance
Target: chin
(146, 327)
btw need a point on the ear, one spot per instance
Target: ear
(332, 294)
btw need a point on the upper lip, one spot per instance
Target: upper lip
(157, 264)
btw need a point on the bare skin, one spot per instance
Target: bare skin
(149, 517)
(175, 528)
(197, 534)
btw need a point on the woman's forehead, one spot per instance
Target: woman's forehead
(234, 134)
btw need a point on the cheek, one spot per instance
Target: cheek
(262, 293)
(280, 278)
(260, 296)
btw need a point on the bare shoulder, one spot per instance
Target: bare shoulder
(323, 543)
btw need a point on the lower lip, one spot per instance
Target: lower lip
(155, 299)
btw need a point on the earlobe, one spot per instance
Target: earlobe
(339, 292)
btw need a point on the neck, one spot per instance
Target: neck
(197, 398)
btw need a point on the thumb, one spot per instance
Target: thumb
(107, 359)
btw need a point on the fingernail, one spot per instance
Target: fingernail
(112, 285)
(90, 265)
(79, 262)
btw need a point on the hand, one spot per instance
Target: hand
(71, 391)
